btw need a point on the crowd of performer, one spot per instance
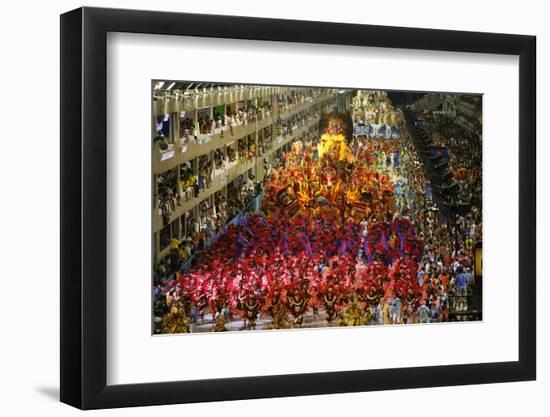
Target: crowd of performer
(348, 234)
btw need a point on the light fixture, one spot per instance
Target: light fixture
(170, 86)
(159, 85)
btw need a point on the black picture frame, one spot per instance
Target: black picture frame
(84, 207)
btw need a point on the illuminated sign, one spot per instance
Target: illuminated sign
(167, 155)
(478, 260)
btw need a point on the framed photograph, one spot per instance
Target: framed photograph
(257, 208)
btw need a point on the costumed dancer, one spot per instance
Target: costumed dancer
(353, 314)
(175, 321)
(410, 306)
(298, 306)
(330, 302)
(251, 309)
(277, 311)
